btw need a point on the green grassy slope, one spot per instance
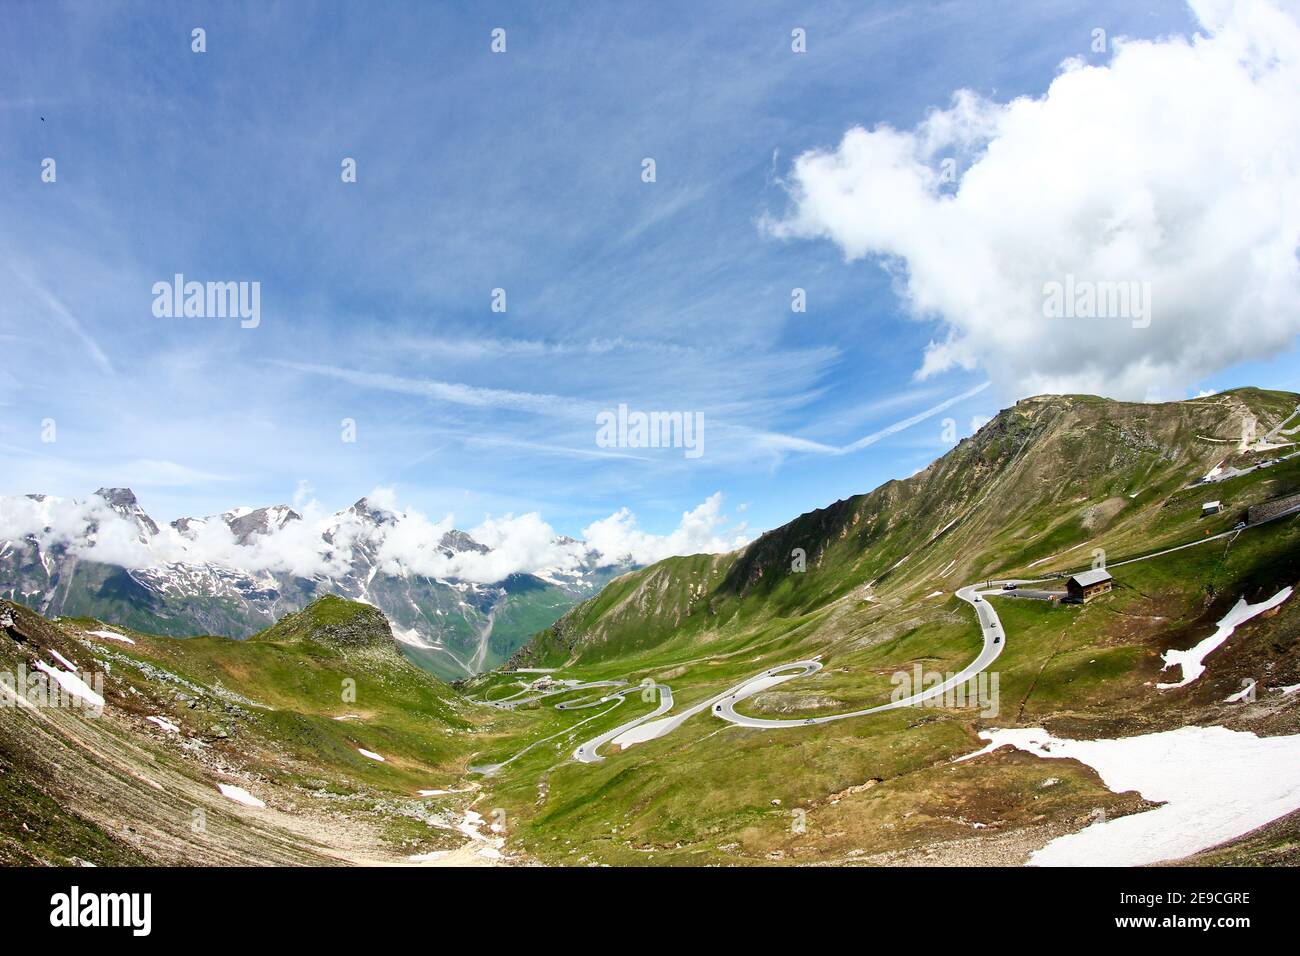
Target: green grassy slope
(287, 712)
(285, 715)
(882, 789)
(1034, 492)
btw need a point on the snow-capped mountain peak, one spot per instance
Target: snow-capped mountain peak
(236, 572)
(244, 523)
(371, 513)
(123, 501)
(261, 521)
(456, 542)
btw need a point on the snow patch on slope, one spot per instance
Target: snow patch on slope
(240, 795)
(111, 636)
(1192, 660)
(1215, 783)
(73, 684)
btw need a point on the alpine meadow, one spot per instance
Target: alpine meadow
(665, 439)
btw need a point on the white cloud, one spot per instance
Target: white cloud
(157, 473)
(92, 529)
(522, 544)
(406, 542)
(1174, 164)
(455, 393)
(526, 543)
(702, 530)
(53, 306)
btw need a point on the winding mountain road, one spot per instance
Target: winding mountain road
(587, 753)
(563, 687)
(990, 629)
(655, 724)
(647, 727)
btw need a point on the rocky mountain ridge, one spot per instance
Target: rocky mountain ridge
(451, 627)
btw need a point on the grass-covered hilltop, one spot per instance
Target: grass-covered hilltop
(298, 716)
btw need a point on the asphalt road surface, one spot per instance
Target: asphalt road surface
(990, 629)
(588, 752)
(722, 705)
(655, 724)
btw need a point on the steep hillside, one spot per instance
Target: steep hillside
(1032, 496)
(308, 744)
(1035, 490)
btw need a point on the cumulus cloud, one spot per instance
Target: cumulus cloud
(93, 529)
(528, 544)
(319, 544)
(702, 530)
(1172, 164)
(517, 545)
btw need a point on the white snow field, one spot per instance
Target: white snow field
(72, 684)
(1215, 784)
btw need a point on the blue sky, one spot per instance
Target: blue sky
(477, 171)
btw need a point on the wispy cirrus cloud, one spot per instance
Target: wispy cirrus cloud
(906, 423)
(791, 443)
(455, 393)
(376, 294)
(46, 303)
(458, 393)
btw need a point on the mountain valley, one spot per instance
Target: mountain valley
(658, 751)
